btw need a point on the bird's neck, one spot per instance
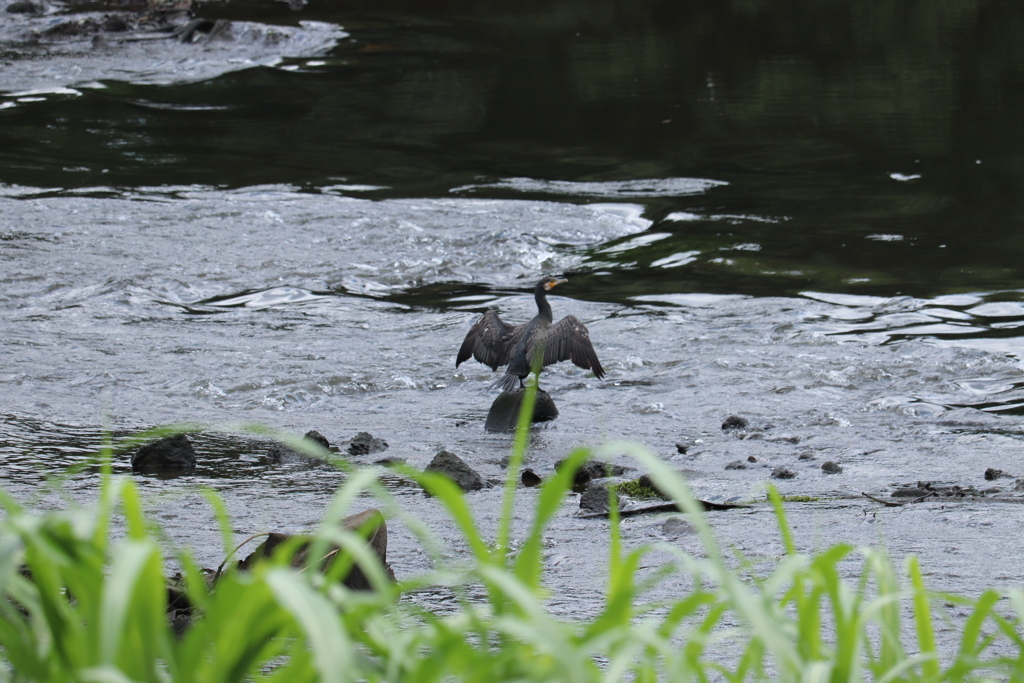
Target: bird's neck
(543, 307)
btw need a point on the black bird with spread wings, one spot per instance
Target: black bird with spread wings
(494, 343)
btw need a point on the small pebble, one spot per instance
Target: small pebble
(751, 458)
(991, 474)
(806, 455)
(783, 473)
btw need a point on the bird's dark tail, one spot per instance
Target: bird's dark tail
(508, 382)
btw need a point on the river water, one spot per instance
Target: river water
(806, 217)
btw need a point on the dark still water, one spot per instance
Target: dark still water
(871, 150)
(805, 213)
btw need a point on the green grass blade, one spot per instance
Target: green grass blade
(515, 464)
(130, 562)
(923, 621)
(528, 564)
(330, 645)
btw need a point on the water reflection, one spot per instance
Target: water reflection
(857, 154)
(981, 321)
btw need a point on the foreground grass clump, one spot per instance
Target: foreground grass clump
(77, 606)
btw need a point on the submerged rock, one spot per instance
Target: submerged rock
(504, 413)
(278, 453)
(455, 468)
(735, 422)
(26, 7)
(991, 474)
(911, 492)
(736, 465)
(928, 489)
(169, 453)
(592, 469)
(365, 443)
(783, 473)
(829, 467)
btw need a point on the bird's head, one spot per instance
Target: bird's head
(550, 283)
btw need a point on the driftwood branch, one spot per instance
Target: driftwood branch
(896, 504)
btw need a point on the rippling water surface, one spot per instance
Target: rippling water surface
(821, 238)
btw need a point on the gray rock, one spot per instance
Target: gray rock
(783, 473)
(169, 453)
(595, 497)
(317, 437)
(504, 413)
(829, 467)
(530, 478)
(365, 443)
(26, 7)
(991, 474)
(735, 422)
(278, 453)
(592, 469)
(736, 465)
(453, 467)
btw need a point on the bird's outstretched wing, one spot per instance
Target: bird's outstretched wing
(490, 341)
(568, 339)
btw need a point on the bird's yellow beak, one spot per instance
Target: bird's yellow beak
(551, 285)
